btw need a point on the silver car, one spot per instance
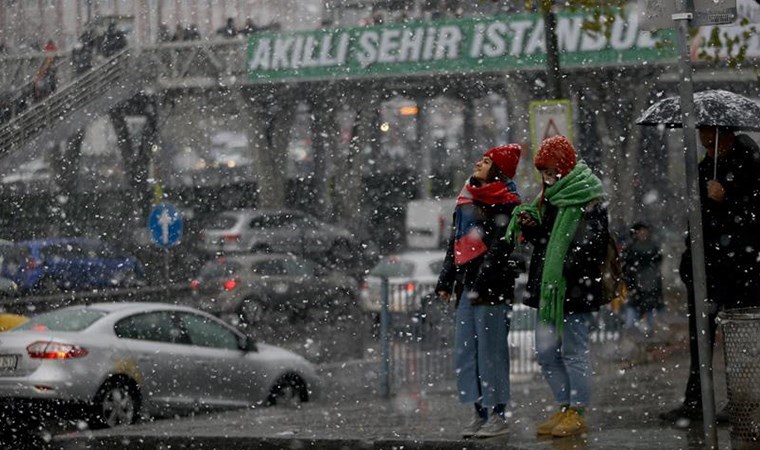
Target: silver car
(115, 361)
(281, 231)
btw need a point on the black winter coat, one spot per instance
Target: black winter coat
(642, 263)
(731, 229)
(491, 275)
(582, 268)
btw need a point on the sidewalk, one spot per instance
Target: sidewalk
(626, 402)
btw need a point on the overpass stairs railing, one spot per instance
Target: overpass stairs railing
(77, 103)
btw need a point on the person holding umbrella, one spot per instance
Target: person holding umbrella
(729, 199)
(730, 203)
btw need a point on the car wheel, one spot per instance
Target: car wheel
(117, 403)
(128, 279)
(289, 391)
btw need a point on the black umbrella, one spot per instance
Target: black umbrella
(714, 108)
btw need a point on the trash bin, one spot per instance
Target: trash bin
(741, 335)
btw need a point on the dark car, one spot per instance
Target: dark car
(277, 231)
(53, 265)
(246, 289)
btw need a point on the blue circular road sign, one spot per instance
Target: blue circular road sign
(165, 225)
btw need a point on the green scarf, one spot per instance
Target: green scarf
(570, 194)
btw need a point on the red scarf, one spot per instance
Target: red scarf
(490, 194)
(468, 243)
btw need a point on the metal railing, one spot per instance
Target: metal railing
(56, 108)
(417, 337)
(18, 70)
(201, 63)
(198, 64)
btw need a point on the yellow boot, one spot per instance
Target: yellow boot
(572, 424)
(545, 429)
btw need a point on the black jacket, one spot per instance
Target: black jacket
(582, 268)
(731, 229)
(642, 265)
(491, 275)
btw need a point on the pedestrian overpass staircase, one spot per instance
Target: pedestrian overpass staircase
(77, 103)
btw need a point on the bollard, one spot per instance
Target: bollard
(385, 337)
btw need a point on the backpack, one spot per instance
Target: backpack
(613, 283)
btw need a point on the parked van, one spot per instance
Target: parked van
(428, 222)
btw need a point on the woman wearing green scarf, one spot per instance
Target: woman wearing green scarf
(567, 226)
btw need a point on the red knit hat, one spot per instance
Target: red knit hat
(506, 158)
(558, 153)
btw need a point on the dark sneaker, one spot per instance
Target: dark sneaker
(474, 426)
(682, 414)
(496, 426)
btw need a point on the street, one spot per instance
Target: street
(626, 400)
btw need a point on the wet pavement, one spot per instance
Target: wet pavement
(634, 382)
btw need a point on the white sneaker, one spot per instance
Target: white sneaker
(496, 426)
(474, 426)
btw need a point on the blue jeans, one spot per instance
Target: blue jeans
(565, 361)
(482, 353)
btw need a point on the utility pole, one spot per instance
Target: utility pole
(682, 19)
(552, 50)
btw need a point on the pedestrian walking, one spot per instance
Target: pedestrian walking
(642, 265)
(113, 41)
(567, 225)
(730, 206)
(50, 47)
(249, 28)
(228, 30)
(45, 80)
(179, 33)
(477, 272)
(163, 34)
(83, 51)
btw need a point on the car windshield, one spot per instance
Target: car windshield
(58, 252)
(393, 267)
(220, 222)
(216, 269)
(64, 320)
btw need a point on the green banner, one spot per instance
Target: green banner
(491, 44)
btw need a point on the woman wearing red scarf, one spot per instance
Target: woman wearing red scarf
(476, 268)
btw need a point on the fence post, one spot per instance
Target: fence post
(385, 318)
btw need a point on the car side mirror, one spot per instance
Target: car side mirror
(247, 344)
